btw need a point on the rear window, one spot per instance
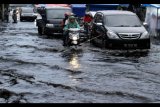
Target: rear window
(57, 13)
(122, 21)
(27, 10)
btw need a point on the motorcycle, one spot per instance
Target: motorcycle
(74, 37)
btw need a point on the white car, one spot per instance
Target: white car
(27, 13)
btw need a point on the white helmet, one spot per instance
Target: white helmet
(87, 13)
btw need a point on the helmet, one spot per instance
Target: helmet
(71, 17)
(87, 13)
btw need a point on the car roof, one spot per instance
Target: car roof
(57, 7)
(116, 12)
(26, 7)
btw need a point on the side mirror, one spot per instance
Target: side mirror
(145, 25)
(99, 24)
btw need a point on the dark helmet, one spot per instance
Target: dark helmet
(67, 14)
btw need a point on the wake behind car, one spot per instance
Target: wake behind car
(119, 30)
(51, 21)
(27, 13)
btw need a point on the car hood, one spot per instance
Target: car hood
(127, 29)
(55, 21)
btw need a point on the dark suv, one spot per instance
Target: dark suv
(51, 20)
(119, 30)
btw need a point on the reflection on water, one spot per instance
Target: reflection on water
(74, 63)
(72, 57)
(129, 53)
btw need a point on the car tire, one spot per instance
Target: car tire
(149, 45)
(39, 30)
(21, 19)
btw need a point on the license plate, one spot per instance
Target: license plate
(56, 26)
(130, 45)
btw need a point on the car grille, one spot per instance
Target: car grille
(129, 35)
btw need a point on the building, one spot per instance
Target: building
(2, 8)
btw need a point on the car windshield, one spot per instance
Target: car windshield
(122, 21)
(27, 10)
(57, 13)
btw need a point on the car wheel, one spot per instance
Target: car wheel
(149, 46)
(39, 30)
(21, 19)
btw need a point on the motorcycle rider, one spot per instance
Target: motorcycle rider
(67, 14)
(14, 16)
(86, 20)
(72, 23)
(67, 19)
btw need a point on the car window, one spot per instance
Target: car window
(56, 13)
(28, 10)
(122, 21)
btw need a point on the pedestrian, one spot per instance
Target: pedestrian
(158, 26)
(14, 16)
(153, 24)
(6, 15)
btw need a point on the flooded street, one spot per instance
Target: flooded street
(37, 69)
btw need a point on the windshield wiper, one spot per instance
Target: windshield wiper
(137, 26)
(56, 18)
(122, 26)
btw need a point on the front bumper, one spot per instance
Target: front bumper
(128, 44)
(53, 30)
(28, 17)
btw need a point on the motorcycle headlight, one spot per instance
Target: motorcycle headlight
(145, 35)
(112, 35)
(75, 38)
(49, 25)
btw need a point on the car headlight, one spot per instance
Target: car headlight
(34, 14)
(49, 25)
(145, 35)
(112, 35)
